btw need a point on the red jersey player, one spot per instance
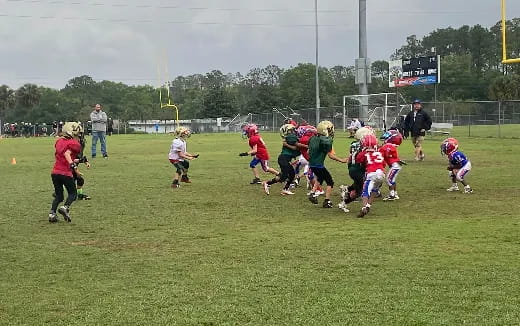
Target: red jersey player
(258, 150)
(67, 149)
(392, 139)
(374, 164)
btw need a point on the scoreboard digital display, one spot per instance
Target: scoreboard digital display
(414, 71)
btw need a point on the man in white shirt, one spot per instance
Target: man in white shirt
(355, 124)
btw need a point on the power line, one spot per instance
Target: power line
(149, 21)
(144, 6)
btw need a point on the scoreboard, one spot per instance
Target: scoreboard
(414, 71)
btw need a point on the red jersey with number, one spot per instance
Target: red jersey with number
(61, 166)
(371, 160)
(261, 150)
(305, 151)
(390, 153)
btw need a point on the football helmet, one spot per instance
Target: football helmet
(71, 129)
(448, 147)
(355, 147)
(182, 132)
(361, 132)
(325, 128)
(287, 129)
(451, 140)
(249, 130)
(306, 130)
(392, 137)
(369, 141)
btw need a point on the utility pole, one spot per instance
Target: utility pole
(317, 77)
(363, 77)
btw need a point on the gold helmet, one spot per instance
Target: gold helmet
(72, 129)
(326, 128)
(182, 132)
(287, 129)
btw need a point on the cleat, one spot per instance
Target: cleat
(364, 211)
(421, 158)
(175, 185)
(105, 156)
(320, 192)
(468, 190)
(53, 218)
(256, 181)
(64, 211)
(453, 188)
(297, 181)
(185, 179)
(313, 199)
(390, 198)
(286, 192)
(343, 207)
(86, 197)
(327, 203)
(266, 187)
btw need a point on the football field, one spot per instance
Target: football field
(219, 251)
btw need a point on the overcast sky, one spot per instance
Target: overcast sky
(48, 42)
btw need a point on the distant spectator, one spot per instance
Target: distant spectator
(416, 123)
(355, 124)
(110, 126)
(99, 129)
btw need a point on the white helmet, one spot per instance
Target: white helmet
(363, 131)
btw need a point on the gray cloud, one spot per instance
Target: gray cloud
(48, 42)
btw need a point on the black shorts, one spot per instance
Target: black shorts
(322, 174)
(181, 166)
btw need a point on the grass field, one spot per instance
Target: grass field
(220, 252)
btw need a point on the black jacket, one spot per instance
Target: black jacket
(414, 126)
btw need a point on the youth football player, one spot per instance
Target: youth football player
(67, 148)
(392, 139)
(458, 165)
(258, 150)
(290, 150)
(179, 157)
(320, 146)
(374, 163)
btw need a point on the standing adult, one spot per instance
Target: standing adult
(99, 129)
(416, 123)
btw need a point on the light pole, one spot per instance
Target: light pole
(317, 77)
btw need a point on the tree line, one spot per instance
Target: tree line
(471, 69)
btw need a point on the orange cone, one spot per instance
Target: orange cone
(13, 161)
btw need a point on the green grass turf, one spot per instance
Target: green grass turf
(220, 252)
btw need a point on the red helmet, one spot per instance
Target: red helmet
(249, 130)
(448, 148)
(306, 130)
(369, 141)
(451, 140)
(392, 137)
